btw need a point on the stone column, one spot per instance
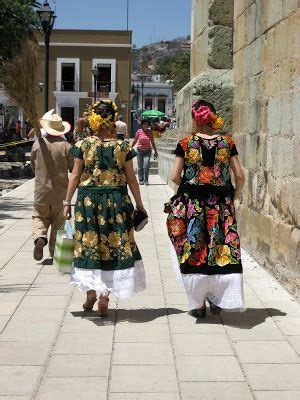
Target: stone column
(211, 61)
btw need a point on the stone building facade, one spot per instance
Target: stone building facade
(245, 60)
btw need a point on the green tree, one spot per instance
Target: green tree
(175, 68)
(17, 21)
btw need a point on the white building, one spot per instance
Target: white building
(152, 93)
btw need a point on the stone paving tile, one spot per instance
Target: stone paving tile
(87, 343)
(208, 368)
(272, 395)
(289, 326)
(18, 380)
(23, 353)
(75, 388)
(266, 352)
(143, 396)
(143, 378)
(15, 398)
(151, 315)
(273, 376)
(142, 353)
(45, 302)
(7, 308)
(78, 365)
(151, 333)
(295, 342)
(215, 391)
(27, 331)
(205, 345)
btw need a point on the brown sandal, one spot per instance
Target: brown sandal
(103, 306)
(90, 301)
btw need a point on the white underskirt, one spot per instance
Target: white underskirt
(123, 283)
(225, 291)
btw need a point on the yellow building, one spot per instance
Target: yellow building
(73, 54)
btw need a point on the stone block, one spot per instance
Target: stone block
(273, 376)
(259, 18)
(221, 12)
(215, 391)
(257, 352)
(247, 62)
(257, 56)
(296, 114)
(250, 33)
(289, 7)
(220, 47)
(274, 116)
(199, 54)
(286, 247)
(273, 10)
(239, 33)
(265, 229)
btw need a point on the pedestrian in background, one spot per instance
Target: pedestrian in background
(50, 160)
(106, 257)
(145, 142)
(121, 128)
(82, 129)
(201, 216)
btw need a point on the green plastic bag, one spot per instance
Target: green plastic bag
(64, 248)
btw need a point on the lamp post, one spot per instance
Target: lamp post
(47, 18)
(95, 73)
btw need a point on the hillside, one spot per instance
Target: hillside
(144, 59)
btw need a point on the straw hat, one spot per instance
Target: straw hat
(55, 126)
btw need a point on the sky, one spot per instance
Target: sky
(150, 20)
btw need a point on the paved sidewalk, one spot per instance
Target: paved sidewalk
(149, 348)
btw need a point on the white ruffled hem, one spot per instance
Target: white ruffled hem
(123, 283)
(225, 291)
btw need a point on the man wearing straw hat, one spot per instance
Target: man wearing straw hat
(50, 160)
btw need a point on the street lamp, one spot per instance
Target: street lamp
(95, 73)
(47, 18)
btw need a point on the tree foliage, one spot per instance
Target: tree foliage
(175, 68)
(17, 20)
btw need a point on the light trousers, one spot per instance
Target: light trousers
(47, 216)
(143, 161)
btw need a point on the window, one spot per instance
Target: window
(161, 105)
(104, 78)
(148, 104)
(67, 77)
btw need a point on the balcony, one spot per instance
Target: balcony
(103, 87)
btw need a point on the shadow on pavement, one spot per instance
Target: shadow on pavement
(139, 315)
(13, 288)
(250, 318)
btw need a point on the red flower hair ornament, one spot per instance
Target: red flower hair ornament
(204, 116)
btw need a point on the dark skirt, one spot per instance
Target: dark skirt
(104, 232)
(203, 230)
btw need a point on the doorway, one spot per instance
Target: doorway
(68, 114)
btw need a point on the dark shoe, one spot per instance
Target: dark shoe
(141, 182)
(198, 312)
(146, 183)
(38, 250)
(214, 309)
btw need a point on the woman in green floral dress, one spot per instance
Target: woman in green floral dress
(106, 257)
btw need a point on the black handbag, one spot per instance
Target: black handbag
(140, 219)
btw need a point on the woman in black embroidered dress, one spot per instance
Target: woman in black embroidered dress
(201, 216)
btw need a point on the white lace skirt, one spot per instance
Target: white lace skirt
(225, 291)
(123, 283)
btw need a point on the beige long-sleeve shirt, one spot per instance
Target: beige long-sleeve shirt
(51, 160)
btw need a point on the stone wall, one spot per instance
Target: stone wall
(262, 90)
(165, 148)
(264, 125)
